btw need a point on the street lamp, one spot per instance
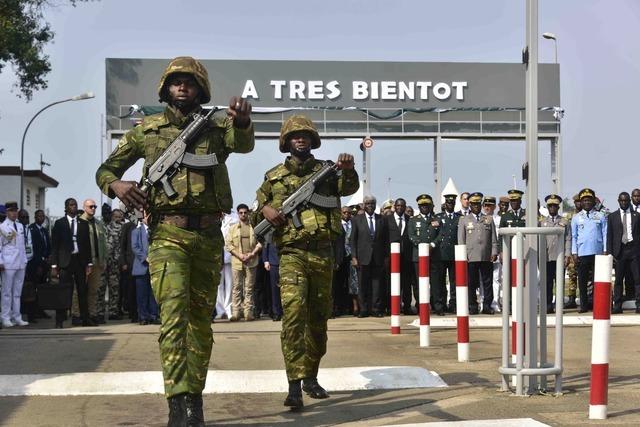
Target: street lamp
(551, 36)
(87, 95)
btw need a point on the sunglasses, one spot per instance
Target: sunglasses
(92, 206)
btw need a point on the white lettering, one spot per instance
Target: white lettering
(442, 91)
(249, 90)
(334, 89)
(374, 90)
(459, 86)
(424, 90)
(388, 90)
(277, 88)
(360, 90)
(296, 89)
(315, 89)
(407, 91)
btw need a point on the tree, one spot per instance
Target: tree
(23, 35)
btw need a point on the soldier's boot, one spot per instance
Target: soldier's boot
(313, 389)
(571, 303)
(294, 398)
(177, 411)
(195, 416)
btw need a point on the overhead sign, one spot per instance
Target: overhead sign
(341, 84)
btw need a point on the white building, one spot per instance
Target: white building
(36, 183)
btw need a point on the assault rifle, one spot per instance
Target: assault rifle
(301, 198)
(169, 162)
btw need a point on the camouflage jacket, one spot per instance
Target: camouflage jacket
(114, 232)
(199, 191)
(318, 223)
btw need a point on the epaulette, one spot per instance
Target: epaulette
(153, 122)
(277, 172)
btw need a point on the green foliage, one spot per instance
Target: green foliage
(23, 35)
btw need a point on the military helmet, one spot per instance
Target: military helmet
(296, 124)
(188, 65)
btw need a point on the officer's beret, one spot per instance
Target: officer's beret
(11, 206)
(515, 194)
(424, 199)
(450, 197)
(475, 198)
(3, 210)
(576, 197)
(388, 204)
(587, 192)
(489, 200)
(504, 199)
(553, 199)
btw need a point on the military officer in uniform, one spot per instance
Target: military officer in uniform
(186, 241)
(553, 202)
(478, 232)
(572, 272)
(13, 263)
(588, 239)
(424, 228)
(515, 216)
(306, 254)
(446, 242)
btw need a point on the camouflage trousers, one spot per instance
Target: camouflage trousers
(305, 290)
(185, 271)
(93, 283)
(572, 283)
(110, 280)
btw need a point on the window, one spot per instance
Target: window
(38, 201)
(28, 197)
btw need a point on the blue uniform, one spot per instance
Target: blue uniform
(588, 233)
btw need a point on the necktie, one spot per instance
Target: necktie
(44, 239)
(371, 230)
(400, 224)
(15, 226)
(450, 216)
(625, 240)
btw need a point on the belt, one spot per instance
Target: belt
(192, 222)
(310, 244)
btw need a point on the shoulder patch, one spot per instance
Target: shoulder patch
(151, 123)
(276, 172)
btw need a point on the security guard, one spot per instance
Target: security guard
(515, 216)
(306, 254)
(185, 254)
(589, 238)
(572, 272)
(553, 202)
(478, 232)
(446, 242)
(424, 228)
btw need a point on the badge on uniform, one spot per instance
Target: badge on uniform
(435, 224)
(470, 226)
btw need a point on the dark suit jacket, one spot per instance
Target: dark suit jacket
(614, 232)
(365, 249)
(41, 247)
(62, 243)
(406, 247)
(270, 254)
(126, 249)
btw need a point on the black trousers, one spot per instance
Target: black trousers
(551, 277)
(449, 268)
(585, 275)
(627, 264)
(436, 283)
(408, 283)
(480, 271)
(369, 291)
(75, 273)
(340, 286)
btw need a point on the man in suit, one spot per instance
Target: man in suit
(368, 250)
(13, 261)
(446, 242)
(398, 233)
(478, 232)
(342, 270)
(128, 297)
(425, 228)
(623, 242)
(554, 220)
(271, 263)
(464, 204)
(147, 306)
(37, 266)
(71, 258)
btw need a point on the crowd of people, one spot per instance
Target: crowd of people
(106, 259)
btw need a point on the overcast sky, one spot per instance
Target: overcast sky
(598, 49)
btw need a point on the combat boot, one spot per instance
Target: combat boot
(195, 417)
(313, 389)
(294, 398)
(571, 303)
(177, 411)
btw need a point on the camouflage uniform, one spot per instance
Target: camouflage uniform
(571, 286)
(111, 276)
(306, 254)
(184, 263)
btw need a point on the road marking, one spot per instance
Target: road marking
(512, 422)
(275, 381)
(496, 321)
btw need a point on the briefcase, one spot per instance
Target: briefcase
(28, 291)
(53, 295)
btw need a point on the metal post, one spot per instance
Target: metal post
(437, 171)
(506, 303)
(519, 314)
(559, 307)
(366, 171)
(542, 308)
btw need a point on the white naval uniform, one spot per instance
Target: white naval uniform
(13, 258)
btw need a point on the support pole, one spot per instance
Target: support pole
(462, 302)
(424, 292)
(395, 288)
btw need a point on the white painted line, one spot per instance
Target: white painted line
(511, 422)
(496, 321)
(275, 381)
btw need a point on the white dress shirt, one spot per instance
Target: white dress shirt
(629, 231)
(73, 225)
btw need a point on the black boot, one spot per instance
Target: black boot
(571, 303)
(177, 411)
(195, 417)
(294, 398)
(313, 389)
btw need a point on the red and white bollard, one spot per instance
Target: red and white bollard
(514, 306)
(395, 288)
(462, 302)
(600, 337)
(424, 292)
